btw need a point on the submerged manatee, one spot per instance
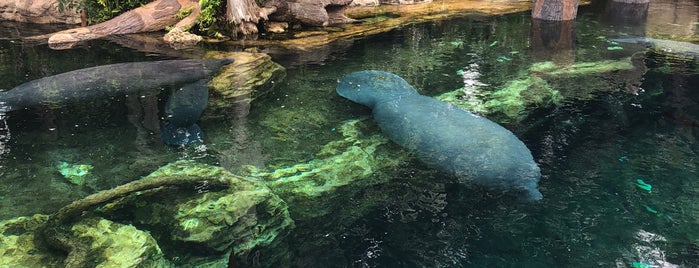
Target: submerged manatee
(183, 109)
(108, 80)
(455, 141)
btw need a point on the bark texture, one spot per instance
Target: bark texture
(310, 12)
(154, 16)
(36, 11)
(555, 10)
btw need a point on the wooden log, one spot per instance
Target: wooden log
(154, 16)
(555, 10)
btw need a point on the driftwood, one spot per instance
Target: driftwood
(154, 16)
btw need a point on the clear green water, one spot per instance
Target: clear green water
(592, 148)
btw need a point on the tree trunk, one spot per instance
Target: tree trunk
(154, 16)
(553, 41)
(555, 10)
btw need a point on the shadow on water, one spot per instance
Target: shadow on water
(618, 153)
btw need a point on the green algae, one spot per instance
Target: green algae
(350, 161)
(245, 215)
(113, 244)
(18, 246)
(542, 85)
(510, 103)
(549, 68)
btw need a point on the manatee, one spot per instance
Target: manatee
(683, 49)
(464, 145)
(108, 80)
(182, 110)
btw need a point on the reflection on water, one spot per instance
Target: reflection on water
(618, 151)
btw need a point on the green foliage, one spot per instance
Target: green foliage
(183, 13)
(209, 13)
(100, 10)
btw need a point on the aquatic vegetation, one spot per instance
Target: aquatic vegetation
(75, 173)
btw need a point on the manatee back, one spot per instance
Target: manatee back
(370, 87)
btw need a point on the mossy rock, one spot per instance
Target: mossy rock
(349, 163)
(18, 247)
(113, 244)
(246, 215)
(249, 76)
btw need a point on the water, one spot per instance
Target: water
(608, 132)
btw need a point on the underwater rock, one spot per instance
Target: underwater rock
(109, 80)
(246, 76)
(311, 188)
(74, 173)
(455, 141)
(18, 244)
(111, 244)
(246, 215)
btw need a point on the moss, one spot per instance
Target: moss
(18, 247)
(511, 102)
(117, 245)
(184, 12)
(75, 173)
(548, 68)
(246, 215)
(350, 161)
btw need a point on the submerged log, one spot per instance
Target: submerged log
(154, 16)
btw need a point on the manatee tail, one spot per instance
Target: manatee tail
(177, 136)
(211, 66)
(368, 87)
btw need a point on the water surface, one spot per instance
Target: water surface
(609, 132)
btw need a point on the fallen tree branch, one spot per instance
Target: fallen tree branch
(154, 16)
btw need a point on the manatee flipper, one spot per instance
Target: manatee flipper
(183, 109)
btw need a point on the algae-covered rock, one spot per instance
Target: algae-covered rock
(544, 84)
(75, 173)
(511, 102)
(246, 215)
(113, 244)
(243, 79)
(351, 161)
(18, 247)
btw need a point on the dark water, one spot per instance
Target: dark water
(609, 131)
